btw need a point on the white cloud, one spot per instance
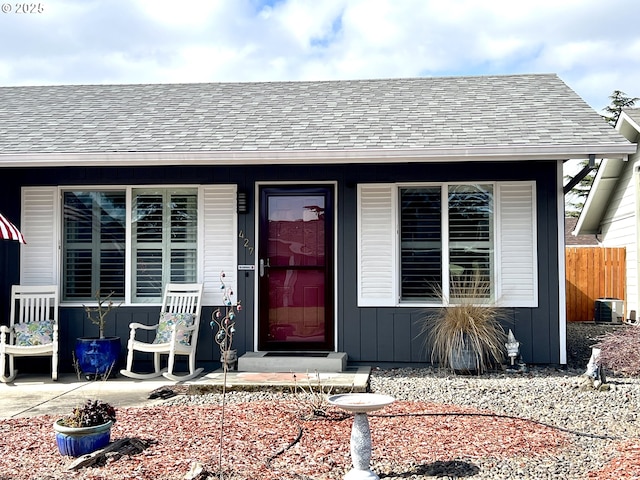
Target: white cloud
(593, 45)
(306, 21)
(176, 15)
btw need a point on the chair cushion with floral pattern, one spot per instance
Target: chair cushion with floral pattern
(166, 323)
(30, 334)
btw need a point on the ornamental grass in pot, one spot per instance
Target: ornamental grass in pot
(465, 334)
(86, 429)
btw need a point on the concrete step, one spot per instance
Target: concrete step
(293, 362)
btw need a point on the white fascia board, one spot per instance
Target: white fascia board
(596, 202)
(295, 157)
(628, 127)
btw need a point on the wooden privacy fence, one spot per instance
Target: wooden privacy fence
(593, 273)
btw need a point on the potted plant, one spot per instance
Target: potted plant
(86, 429)
(97, 356)
(465, 334)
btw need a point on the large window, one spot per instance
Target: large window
(418, 243)
(446, 232)
(163, 232)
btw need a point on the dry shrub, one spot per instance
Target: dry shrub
(620, 350)
(468, 320)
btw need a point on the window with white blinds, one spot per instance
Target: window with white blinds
(164, 233)
(471, 243)
(462, 224)
(164, 239)
(93, 244)
(420, 243)
(452, 239)
(130, 240)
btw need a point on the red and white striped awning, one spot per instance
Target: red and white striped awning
(8, 231)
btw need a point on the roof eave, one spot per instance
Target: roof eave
(597, 200)
(608, 174)
(628, 127)
(319, 156)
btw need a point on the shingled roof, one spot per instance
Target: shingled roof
(448, 118)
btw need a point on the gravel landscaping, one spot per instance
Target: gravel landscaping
(540, 424)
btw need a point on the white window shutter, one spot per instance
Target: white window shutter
(219, 240)
(517, 249)
(376, 245)
(39, 225)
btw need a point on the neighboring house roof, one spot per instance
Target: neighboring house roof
(629, 123)
(571, 240)
(607, 177)
(521, 117)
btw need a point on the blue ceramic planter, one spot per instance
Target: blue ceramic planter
(97, 356)
(76, 442)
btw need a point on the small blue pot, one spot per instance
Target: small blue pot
(76, 442)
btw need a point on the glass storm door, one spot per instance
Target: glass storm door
(295, 269)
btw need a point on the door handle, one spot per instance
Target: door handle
(262, 265)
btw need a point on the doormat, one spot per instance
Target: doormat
(297, 354)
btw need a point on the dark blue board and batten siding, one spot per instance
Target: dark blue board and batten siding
(370, 335)
(388, 336)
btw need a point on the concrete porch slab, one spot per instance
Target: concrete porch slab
(31, 395)
(290, 362)
(350, 380)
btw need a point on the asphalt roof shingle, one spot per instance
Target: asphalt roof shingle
(412, 113)
(634, 114)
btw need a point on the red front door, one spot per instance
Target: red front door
(295, 269)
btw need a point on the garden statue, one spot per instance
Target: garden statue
(594, 376)
(513, 348)
(513, 352)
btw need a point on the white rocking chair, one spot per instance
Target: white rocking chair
(176, 333)
(32, 330)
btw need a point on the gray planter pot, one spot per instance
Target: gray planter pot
(464, 360)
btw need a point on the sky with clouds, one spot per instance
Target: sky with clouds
(593, 45)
